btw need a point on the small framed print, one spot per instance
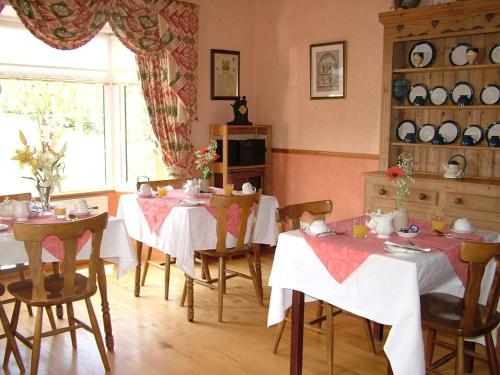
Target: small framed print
(224, 74)
(328, 70)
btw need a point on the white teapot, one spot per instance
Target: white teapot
(453, 170)
(384, 226)
(191, 187)
(22, 210)
(7, 208)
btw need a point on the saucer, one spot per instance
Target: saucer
(461, 231)
(145, 195)
(81, 214)
(323, 234)
(3, 226)
(407, 234)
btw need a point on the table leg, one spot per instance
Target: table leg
(297, 333)
(378, 331)
(190, 292)
(258, 270)
(138, 248)
(106, 317)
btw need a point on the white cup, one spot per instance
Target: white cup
(247, 188)
(462, 225)
(81, 206)
(318, 227)
(145, 189)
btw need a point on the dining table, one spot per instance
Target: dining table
(115, 248)
(180, 224)
(378, 285)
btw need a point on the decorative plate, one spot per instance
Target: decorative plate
(418, 90)
(405, 127)
(461, 88)
(449, 130)
(438, 95)
(458, 55)
(495, 54)
(493, 129)
(429, 51)
(426, 133)
(475, 131)
(490, 94)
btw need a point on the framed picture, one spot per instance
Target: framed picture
(328, 70)
(224, 74)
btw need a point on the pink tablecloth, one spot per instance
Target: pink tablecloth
(52, 243)
(156, 210)
(343, 254)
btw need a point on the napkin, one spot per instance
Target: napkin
(400, 248)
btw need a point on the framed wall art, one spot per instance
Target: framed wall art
(224, 74)
(328, 70)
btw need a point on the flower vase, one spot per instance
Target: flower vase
(400, 218)
(204, 185)
(44, 192)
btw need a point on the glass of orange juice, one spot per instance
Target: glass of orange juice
(359, 228)
(162, 192)
(60, 212)
(438, 223)
(228, 189)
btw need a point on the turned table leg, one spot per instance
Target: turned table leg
(190, 291)
(106, 317)
(138, 247)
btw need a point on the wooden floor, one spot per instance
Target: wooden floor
(152, 336)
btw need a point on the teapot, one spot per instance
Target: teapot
(384, 227)
(374, 215)
(438, 139)
(21, 210)
(494, 141)
(453, 170)
(7, 208)
(191, 187)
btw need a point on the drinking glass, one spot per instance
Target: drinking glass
(359, 228)
(162, 192)
(228, 189)
(438, 223)
(60, 212)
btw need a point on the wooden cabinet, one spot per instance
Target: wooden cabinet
(259, 175)
(476, 23)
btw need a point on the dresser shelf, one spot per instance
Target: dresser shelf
(435, 69)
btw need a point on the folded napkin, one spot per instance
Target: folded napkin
(401, 248)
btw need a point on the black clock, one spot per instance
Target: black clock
(240, 110)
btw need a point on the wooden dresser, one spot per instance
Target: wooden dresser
(477, 197)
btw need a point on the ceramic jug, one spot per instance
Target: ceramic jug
(21, 210)
(453, 169)
(372, 224)
(384, 227)
(191, 187)
(7, 208)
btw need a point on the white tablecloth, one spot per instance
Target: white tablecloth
(386, 288)
(115, 247)
(186, 229)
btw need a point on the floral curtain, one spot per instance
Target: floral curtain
(163, 35)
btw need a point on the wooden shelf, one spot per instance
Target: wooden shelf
(452, 146)
(444, 107)
(431, 69)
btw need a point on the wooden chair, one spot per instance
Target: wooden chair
(176, 184)
(11, 341)
(465, 317)
(289, 219)
(46, 291)
(222, 203)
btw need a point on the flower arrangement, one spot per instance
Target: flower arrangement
(401, 177)
(205, 156)
(45, 162)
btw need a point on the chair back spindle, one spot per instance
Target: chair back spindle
(177, 183)
(289, 216)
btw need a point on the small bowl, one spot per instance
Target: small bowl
(407, 234)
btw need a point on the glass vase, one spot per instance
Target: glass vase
(44, 192)
(400, 218)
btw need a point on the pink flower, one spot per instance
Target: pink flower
(393, 173)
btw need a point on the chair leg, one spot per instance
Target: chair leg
(11, 341)
(492, 357)
(13, 327)
(369, 335)
(146, 265)
(279, 331)
(329, 337)
(50, 315)
(254, 279)
(22, 276)
(71, 321)
(459, 361)
(319, 312)
(167, 275)
(37, 341)
(184, 293)
(97, 334)
(429, 347)
(220, 286)
(205, 269)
